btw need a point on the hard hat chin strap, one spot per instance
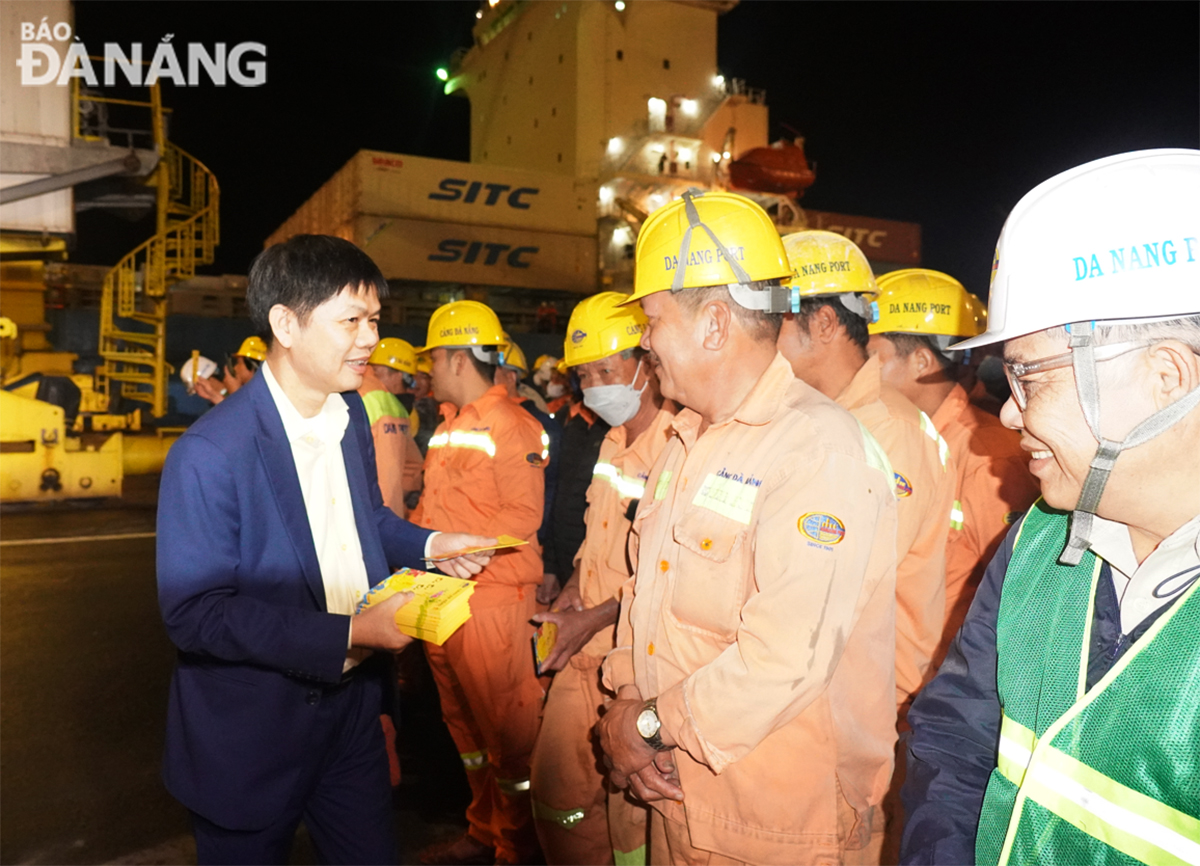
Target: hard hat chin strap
(686, 242)
(1087, 386)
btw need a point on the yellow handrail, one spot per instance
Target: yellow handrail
(187, 199)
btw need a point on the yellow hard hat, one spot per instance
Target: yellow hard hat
(562, 366)
(706, 239)
(253, 347)
(424, 364)
(542, 359)
(462, 324)
(826, 263)
(514, 358)
(602, 325)
(921, 301)
(395, 353)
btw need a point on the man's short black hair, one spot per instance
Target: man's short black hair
(855, 325)
(304, 272)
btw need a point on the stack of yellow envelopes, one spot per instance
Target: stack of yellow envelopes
(441, 603)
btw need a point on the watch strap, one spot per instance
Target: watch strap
(654, 741)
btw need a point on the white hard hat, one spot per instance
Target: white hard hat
(204, 370)
(1110, 241)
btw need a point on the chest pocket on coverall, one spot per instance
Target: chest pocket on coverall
(708, 585)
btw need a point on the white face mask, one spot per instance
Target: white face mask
(555, 390)
(616, 404)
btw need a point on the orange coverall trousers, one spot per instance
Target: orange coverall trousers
(578, 821)
(492, 703)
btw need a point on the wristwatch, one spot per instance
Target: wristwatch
(649, 726)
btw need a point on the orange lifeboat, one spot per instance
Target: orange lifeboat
(781, 168)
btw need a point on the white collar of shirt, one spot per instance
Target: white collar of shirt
(1161, 577)
(328, 425)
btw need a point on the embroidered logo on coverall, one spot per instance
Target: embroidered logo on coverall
(822, 528)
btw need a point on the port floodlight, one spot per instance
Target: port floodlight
(620, 5)
(689, 107)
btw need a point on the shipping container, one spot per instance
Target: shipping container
(483, 255)
(441, 190)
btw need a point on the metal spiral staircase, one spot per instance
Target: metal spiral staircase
(134, 304)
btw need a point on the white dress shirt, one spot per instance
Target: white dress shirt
(1161, 577)
(317, 450)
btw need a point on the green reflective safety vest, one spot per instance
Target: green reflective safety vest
(1107, 776)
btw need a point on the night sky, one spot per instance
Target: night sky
(938, 113)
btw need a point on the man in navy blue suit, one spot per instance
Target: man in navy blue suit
(271, 527)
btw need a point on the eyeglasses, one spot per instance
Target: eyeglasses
(1017, 370)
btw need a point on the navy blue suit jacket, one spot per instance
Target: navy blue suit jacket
(241, 595)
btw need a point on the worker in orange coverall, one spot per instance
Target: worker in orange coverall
(921, 312)
(485, 467)
(826, 343)
(571, 806)
(755, 648)
(389, 432)
(394, 364)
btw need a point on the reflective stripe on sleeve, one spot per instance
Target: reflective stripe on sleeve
(956, 515)
(875, 456)
(512, 786)
(627, 488)
(932, 433)
(470, 439)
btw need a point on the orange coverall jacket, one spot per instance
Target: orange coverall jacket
(993, 488)
(484, 475)
(397, 458)
(620, 476)
(924, 475)
(566, 779)
(761, 616)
